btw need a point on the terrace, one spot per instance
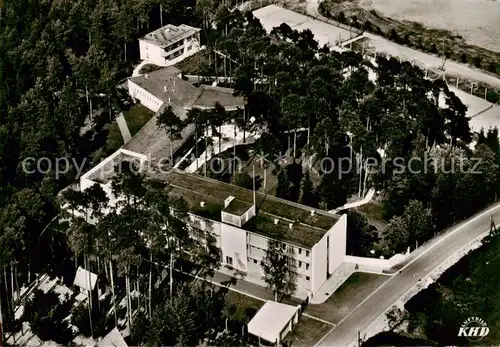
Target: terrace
(307, 227)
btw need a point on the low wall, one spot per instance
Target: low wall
(376, 264)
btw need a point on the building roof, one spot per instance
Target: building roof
(271, 319)
(224, 96)
(113, 339)
(167, 86)
(82, 279)
(237, 207)
(169, 34)
(306, 231)
(106, 169)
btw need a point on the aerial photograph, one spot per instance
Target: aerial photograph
(289, 173)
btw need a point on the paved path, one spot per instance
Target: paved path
(436, 252)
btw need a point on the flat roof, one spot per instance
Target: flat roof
(169, 34)
(271, 319)
(167, 86)
(306, 230)
(82, 278)
(237, 207)
(106, 169)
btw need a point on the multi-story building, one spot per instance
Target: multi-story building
(169, 44)
(242, 223)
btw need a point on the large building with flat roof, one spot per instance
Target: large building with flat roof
(242, 223)
(169, 44)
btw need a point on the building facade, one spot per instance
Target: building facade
(241, 232)
(169, 44)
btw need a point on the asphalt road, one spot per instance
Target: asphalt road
(436, 252)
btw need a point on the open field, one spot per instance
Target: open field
(273, 16)
(350, 294)
(475, 20)
(443, 41)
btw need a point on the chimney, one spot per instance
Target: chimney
(146, 76)
(169, 100)
(165, 89)
(312, 212)
(290, 225)
(276, 220)
(202, 203)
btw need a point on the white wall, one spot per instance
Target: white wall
(319, 264)
(338, 244)
(144, 97)
(234, 245)
(323, 263)
(158, 56)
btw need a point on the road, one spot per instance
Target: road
(436, 252)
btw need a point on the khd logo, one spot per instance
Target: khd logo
(474, 329)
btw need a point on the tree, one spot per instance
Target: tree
(244, 180)
(396, 235)
(279, 269)
(361, 236)
(418, 222)
(307, 196)
(170, 121)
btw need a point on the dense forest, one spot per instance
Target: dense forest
(60, 61)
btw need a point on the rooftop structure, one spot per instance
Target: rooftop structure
(273, 321)
(169, 34)
(169, 44)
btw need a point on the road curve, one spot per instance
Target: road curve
(437, 251)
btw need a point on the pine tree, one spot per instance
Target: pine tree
(307, 196)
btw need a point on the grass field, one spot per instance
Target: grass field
(350, 294)
(241, 307)
(307, 332)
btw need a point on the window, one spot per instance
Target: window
(248, 259)
(307, 253)
(189, 47)
(255, 261)
(300, 263)
(283, 246)
(307, 266)
(229, 260)
(300, 251)
(308, 278)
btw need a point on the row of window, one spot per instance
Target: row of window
(147, 96)
(283, 246)
(174, 55)
(255, 262)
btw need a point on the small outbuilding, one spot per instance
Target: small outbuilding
(114, 338)
(274, 321)
(85, 280)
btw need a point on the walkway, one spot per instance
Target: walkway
(369, 196)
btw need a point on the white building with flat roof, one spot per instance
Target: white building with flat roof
(169, 44)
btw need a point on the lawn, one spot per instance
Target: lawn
(196, 64)
(350, 294)
(137, 116)
(241, 307)
(307, 332)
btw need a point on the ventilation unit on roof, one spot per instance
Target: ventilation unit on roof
(312, 212)
(276, 220)
(165, 89)
(202, 203)
(290, 225)
(146, 76)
